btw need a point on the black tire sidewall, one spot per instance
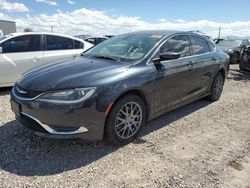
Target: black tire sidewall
(110, 132)
(241, 66)
(214, 96)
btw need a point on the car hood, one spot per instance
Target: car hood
(228, 49)
(81, 72)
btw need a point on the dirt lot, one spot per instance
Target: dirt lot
(200, 145)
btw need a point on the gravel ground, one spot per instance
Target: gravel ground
(202, 144)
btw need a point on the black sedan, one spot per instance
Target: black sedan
(233, 47)
(245, 60)
(119, 85)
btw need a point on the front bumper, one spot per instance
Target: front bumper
(82, 120)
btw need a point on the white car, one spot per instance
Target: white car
(21, 52)
(95, 40)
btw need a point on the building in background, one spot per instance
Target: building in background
(7, 27)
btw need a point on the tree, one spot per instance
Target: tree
(28, 29)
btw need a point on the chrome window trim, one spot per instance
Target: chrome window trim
(181, 34)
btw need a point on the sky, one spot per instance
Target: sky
(100, 17)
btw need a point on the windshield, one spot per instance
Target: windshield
(229, 43)
(127, 47)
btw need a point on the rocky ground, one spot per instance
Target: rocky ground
(202, 144)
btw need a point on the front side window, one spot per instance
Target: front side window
(199, 45)
(179, 44)
(59, 43)
(127, 47)
(26, 43)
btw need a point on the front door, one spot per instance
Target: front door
(172, 81)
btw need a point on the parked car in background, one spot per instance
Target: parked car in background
(92, 39)
(109, 36)
(245, 60)
(118, 85)
(20, 52)
(233, 47)
(95, 40)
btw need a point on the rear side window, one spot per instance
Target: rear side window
(91, 41)
(179, 44)
(199, 45)
(27, 43)
(78, 44)
(59, 43)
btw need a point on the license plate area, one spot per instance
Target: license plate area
(15, 107)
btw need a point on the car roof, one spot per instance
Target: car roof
(44, 33)
(155, 32)
(165, 32)
(96, 37)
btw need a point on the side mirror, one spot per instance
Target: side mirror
(164, 56)
(1, 50)
(169, 56)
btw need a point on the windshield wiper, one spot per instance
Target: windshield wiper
(105, 57)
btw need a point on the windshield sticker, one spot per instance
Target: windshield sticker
(156, 36)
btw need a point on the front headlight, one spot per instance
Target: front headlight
(67, 96)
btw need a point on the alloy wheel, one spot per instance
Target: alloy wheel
(128, 120)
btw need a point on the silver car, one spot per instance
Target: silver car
(21, 52)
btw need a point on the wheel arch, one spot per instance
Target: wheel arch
(223, 72)
(134, 91)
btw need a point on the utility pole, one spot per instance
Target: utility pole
(219, 32)
(52, 29)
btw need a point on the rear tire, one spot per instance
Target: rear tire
(217, 87)
(125, 120)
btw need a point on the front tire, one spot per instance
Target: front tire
(125, 120)
(217, 87)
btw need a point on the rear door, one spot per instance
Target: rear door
(205, 63)
(59, 48)
(20, 54)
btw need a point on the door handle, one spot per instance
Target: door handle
(36, 59)
(190, 65)
(208, 75)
